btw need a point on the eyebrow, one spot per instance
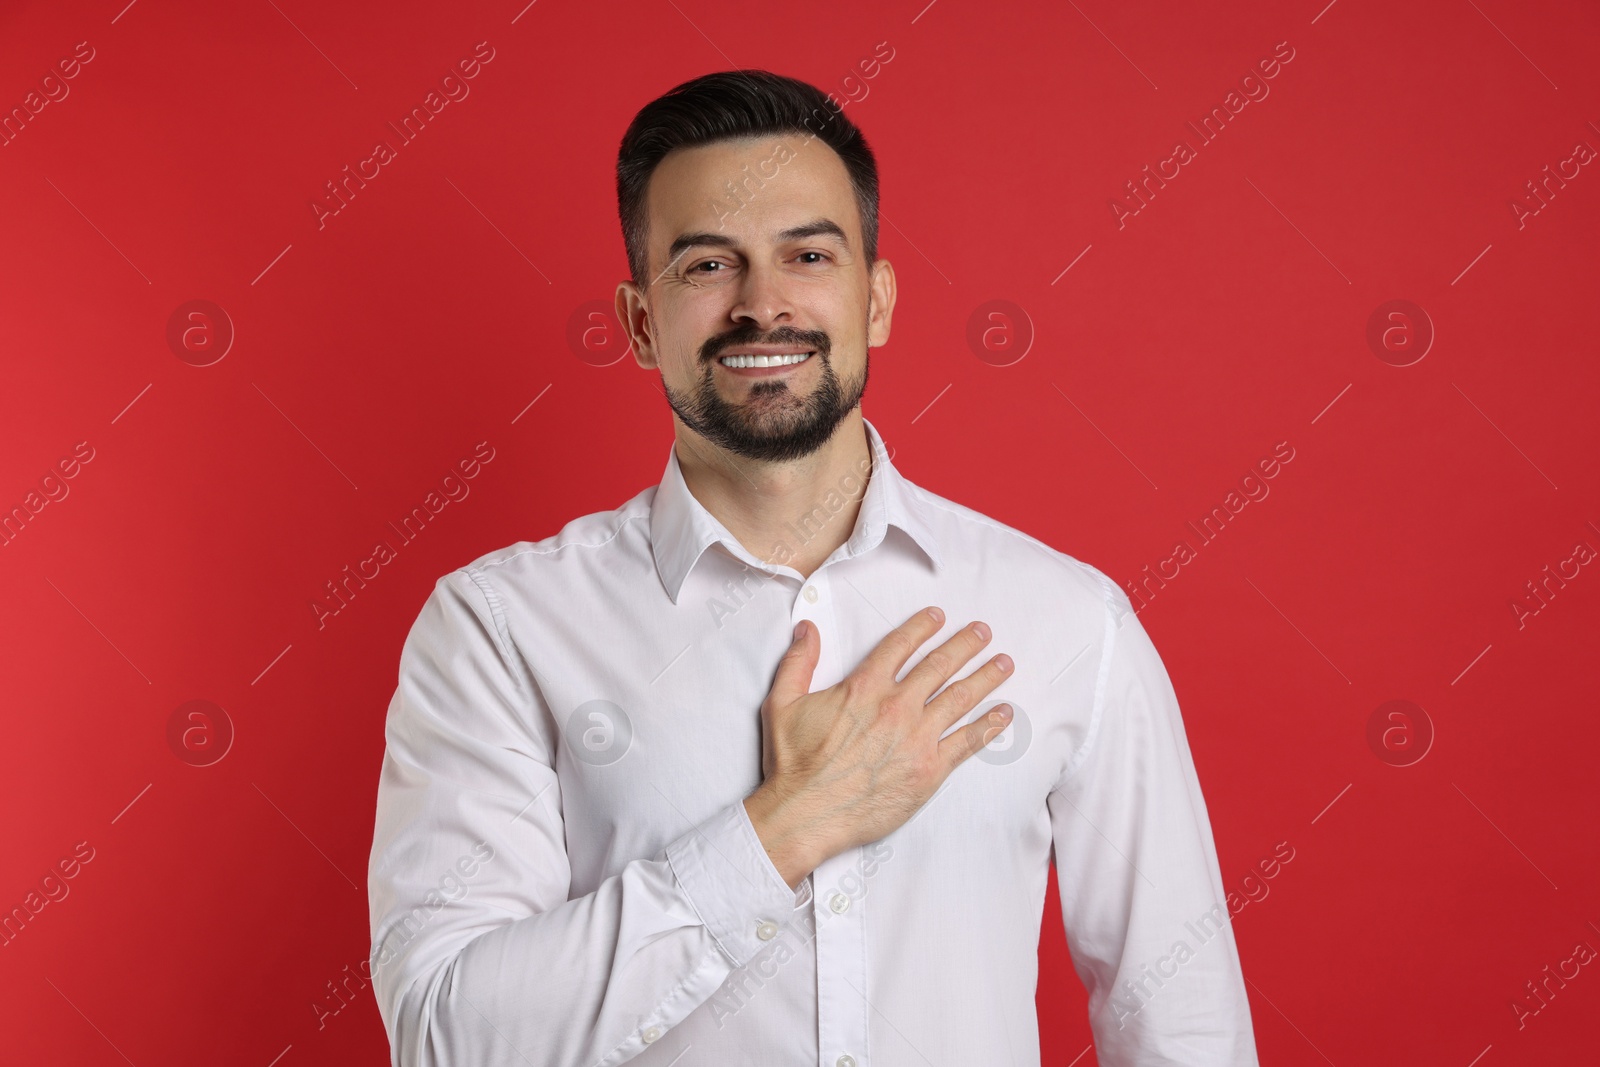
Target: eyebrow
(814, 228)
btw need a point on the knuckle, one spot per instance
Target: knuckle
(857, 688)
(959, 693)
(892, 706)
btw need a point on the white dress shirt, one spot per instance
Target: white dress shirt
(563, 873)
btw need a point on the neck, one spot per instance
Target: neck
(782, 513)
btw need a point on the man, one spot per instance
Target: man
(680, 785)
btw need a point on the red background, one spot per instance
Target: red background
(1227, 315)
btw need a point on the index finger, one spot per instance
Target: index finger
(887, 659)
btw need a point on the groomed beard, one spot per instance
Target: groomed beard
(773, 424)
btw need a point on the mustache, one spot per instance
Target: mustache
(751, 335)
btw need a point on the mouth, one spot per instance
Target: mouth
(776, 363)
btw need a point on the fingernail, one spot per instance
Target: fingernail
(1001, 714)
(1003, 663)
(938, 616)
(981, 630)
(799, 628)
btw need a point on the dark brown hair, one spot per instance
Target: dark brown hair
(729, 105)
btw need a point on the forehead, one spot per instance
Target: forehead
(780, 180)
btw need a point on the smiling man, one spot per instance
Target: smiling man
(769, 764)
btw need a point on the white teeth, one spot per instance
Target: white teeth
(764, 361)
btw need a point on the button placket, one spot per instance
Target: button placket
(840, 934)
(814, 601)
(841, 962)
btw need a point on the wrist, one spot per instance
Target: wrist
(786, 833)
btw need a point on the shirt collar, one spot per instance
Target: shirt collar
(681, 529)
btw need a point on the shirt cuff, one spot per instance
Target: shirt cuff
(730, 880)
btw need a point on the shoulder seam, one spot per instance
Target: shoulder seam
(1108, 646)
(475, 569)
(501, 627)
(977, 518)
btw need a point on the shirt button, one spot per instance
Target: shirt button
(651, 1034)
(810, 593)
(840, 904)
(767, 931)
(846, 1060)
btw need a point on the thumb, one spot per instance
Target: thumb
(793, 679)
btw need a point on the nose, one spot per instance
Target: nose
(763, 298)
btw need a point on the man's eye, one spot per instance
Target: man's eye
(819, 254)
(708, 263)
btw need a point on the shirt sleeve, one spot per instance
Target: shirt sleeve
(1141, 892)
(480, 955)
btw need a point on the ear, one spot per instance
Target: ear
(880, 307)
(634, 315)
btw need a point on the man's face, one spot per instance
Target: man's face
(780, 271)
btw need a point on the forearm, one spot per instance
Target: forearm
(577, 983)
